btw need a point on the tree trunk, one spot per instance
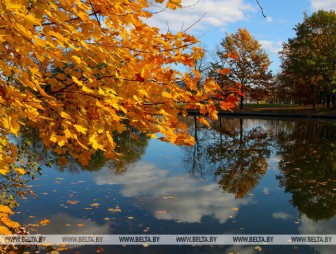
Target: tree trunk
(328, 101)
(314, 99)
(241, 102)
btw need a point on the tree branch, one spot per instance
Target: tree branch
(261, 8)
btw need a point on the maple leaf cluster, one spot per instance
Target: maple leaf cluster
(81, 71)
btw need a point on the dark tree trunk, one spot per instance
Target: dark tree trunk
(241, 102)
(328, 100)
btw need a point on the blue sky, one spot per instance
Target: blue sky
(226, 16)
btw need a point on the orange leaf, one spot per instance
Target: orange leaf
(44, 222)
(224, 71)
(4, 231)
(204, 121)
(8, 222)
(5, 209)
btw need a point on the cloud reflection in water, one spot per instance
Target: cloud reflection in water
(173, 197)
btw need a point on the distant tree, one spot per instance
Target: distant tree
(308, 60)
(248, 63)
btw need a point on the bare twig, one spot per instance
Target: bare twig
(95, 13)
(194, 23)
(261, 8)
(167, 26)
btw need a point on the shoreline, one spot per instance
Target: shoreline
(269, 114)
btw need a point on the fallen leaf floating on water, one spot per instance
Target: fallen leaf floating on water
(80, 225)
(72, 202)
(100, 249)
(130, 217)
(146, 245)
(235, 209)
(258, 248)
(68, 225)
(44, 222)
(95, 205)
(106, 218)
(87, 208)
(114, 210)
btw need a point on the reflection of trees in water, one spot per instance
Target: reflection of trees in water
(195, 160)
(240, 156)
(236, 155)
(13, 184)
(130, 148)
(236, 151)
(308, 167)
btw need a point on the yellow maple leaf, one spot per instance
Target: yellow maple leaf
(4, 231)
(65, 115)
(20, 171)
(95, 144)
(173, 4)
(77, 59)
(33, 19)
(5, 209)
(9, 223)
(4, 171)
(80, 128)
(13, 6)
(67, 133)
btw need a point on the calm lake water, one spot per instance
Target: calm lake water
(244, 176)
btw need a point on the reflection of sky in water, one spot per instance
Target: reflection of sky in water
(173, 197)
(158, 195)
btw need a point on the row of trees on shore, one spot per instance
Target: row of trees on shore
(308, 64)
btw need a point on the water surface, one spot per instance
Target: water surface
(243, 176)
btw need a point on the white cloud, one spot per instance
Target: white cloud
(271, 46)
(218, 13)
(269, 19)
(281, 216)
(323, 4)
(173, 197)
